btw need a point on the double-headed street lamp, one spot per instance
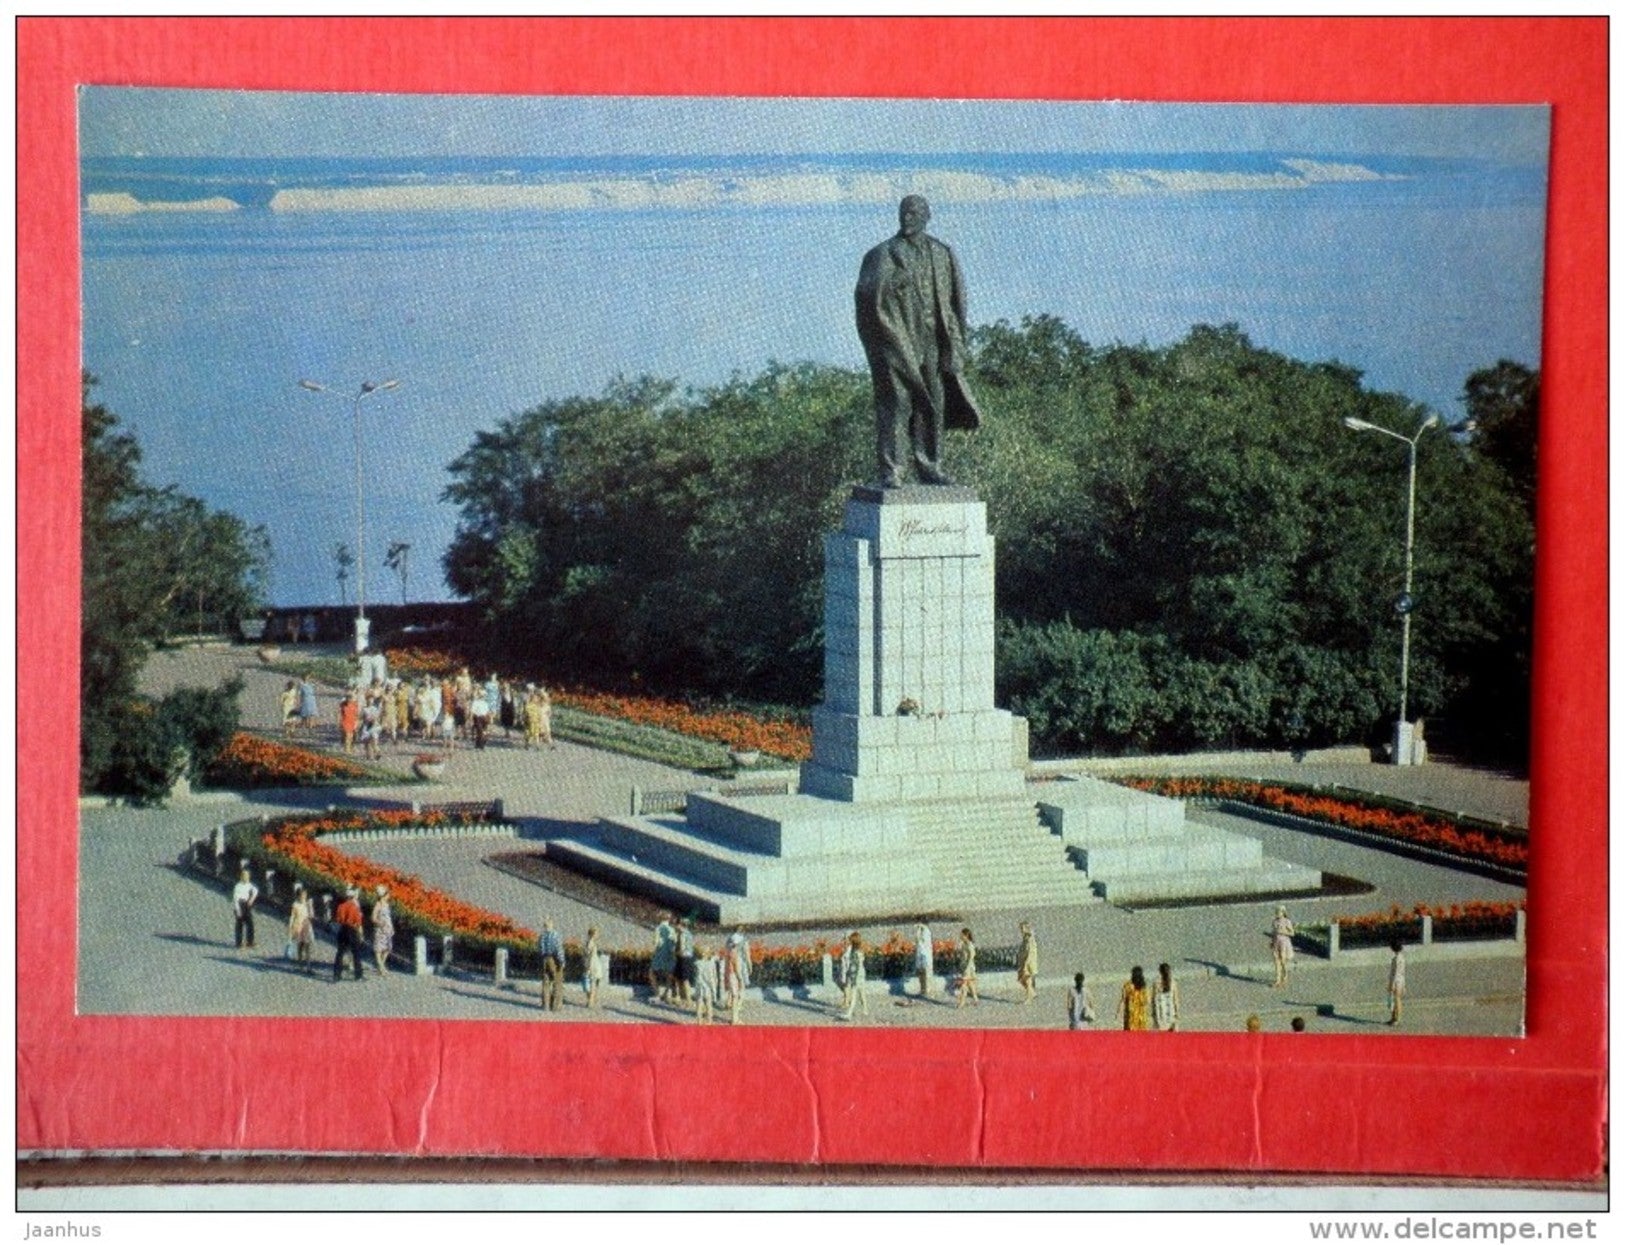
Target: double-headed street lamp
(1405, 752)
(368, 388)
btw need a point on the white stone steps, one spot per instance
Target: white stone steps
(665, 842)
(995, 853)
(682, 893)
(1274, 878)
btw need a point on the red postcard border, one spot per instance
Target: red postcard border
(1531, 1109)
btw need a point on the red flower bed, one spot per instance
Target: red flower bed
(293, 844)
(250, 761)
(1411, 827)
(734, 728)
(416, 662)
(1476, 917)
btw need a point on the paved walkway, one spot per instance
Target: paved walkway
(184, 963)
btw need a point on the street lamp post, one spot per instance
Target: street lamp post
(368, 388)
(1404, 735)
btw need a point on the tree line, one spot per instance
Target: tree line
(1194, 550)
(155, 564)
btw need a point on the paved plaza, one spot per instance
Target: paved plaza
(170, 950)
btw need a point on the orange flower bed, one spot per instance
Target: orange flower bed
(250, 761)
(1476, 917)
(1410, 827)
(294, 844)
(732, 728)
(414, 662)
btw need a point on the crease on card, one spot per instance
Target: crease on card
(1257, 1159)
(28, 1101)
(421, 1145)
(981, 1100)
(802, 1068)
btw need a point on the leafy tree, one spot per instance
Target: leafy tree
(146, 555)
(673, 537)
(395, 560)
(1503, 403)
(1194, 551)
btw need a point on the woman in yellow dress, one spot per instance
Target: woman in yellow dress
(1134, 1008)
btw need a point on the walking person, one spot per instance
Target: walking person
(735, 973)
(1165, 1000)
(349, 718)
(705, 984)
(551, 946)
(531, 711)
(508, 709)
(390, 723)
(243, 898)
(383, 930)
(372, 725)
(854, 978)
(685, 961)
(1396, 982)
(462, 697)
(1080, 1008)
(1027, 963)
(301, 926)
(428, 707)
(451, 712)
(544, 712)
(924, 967)
(289, 704)
(663, 960)
(1134, 1006)
(308, 712)
(592, 972)
(349, 920)
(479, 713)
(967, 971)
(1281, 931)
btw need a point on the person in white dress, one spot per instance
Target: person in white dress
(1396, 982)
(854, 978)
(1281, 931)
(924, 968)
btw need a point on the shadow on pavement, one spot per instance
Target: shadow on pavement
(191, 938)
(507, 998)
(652, 1018)
(276, 964)
(1328, 1011)
(1215, 969)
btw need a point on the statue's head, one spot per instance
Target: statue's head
(913, 214)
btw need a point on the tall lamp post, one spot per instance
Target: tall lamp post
(1404, 734)
(368, 388)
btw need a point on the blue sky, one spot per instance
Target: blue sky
(139, 121)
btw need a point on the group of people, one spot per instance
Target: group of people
(298, 704)
(687, 973)
(853, 968)
(1141, 1005)
(349, 925)
(594, 972)
(443, 712)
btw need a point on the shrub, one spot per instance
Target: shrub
(150, 736)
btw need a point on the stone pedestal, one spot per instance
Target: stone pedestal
(916, 797)
(908, 709)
